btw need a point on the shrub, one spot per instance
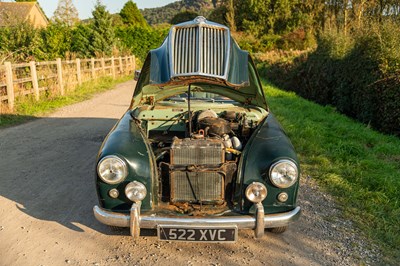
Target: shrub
(140, 40)
(358, 74)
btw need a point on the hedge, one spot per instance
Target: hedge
(358, 74)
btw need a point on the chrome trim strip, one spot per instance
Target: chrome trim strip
(151, 221)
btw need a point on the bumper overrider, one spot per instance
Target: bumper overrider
(134, 220)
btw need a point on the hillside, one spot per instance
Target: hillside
(166, 13)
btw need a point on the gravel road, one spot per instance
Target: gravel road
(47, 193)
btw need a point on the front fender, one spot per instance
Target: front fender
(127, 141)
(268, 144)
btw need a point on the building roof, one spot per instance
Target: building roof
(16, 12)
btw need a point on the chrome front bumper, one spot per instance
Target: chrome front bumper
(135, 220)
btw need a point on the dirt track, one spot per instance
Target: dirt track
(47, 193)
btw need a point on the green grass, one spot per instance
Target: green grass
(27, 108)
(356, 164)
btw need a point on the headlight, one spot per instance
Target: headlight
(256, 192)
(283, 174)
(135, 191)
(112, 169)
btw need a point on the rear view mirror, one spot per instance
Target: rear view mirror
(137, 74)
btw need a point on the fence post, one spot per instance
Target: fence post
(121, 68)
(10, 84)
(103, 65)
(59, 76)
(35, 83)
(78, 71)
(133, 63)
(112, 67)
(129, 63)
(126, 65)
(92, 66)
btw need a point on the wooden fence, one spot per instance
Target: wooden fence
(38, 78)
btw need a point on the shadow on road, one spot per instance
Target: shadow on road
(47, 168)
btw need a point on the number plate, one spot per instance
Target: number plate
(197, 234)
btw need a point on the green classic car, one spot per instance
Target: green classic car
(198, 155)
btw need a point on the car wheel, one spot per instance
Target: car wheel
(277, 230)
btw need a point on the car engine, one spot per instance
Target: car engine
(198, 169)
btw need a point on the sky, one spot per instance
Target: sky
(85, 7)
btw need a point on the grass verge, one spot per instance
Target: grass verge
(27, 108)
(356, 164)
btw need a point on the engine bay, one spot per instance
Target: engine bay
(197, 150)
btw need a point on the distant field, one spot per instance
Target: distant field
(354, 163)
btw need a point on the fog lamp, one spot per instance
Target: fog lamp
(256, 192)
(135, 191)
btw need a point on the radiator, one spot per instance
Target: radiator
(204, 182)
(205, 187)
(197, 152)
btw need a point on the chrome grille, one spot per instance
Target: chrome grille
(203, 187)
(200, 49)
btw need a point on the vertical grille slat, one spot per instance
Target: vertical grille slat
(215, 52)
(218, 52)
(185, 51)
(199, 49)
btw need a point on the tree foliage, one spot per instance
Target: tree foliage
(81, 40)
(57, 40)
(66, 13)
(20, 43)
(131, 15)
(139, 40)
(103, 36)
(164, 14)
(183, 16)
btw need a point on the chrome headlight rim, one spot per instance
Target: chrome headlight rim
(292, 182)
(135, 197)
(119, 160)
(254, 198)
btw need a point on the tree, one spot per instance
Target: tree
(218, 15)
(66, 13)
(21, 43)
(131, 15)
(183, 16)
(230, 15)
(224, 14)
(103, 36)
(57, 39)
(81, 36)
